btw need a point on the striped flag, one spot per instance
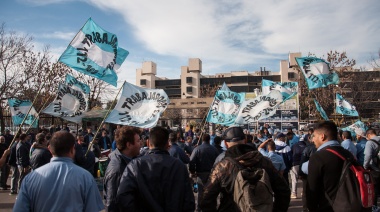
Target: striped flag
(139, 107)
(261, 107)
(76, 84)
(19, 109)
(344, 107)
(317, 72)
(287, 89)
(95, 52)
(70, 104)
(321, 111)
(225, 107)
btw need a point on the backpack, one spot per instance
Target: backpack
(355, 191)
(252, 189)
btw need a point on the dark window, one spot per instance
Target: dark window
(291, 75)
(189, 89)
(143, 82)
(189, 80)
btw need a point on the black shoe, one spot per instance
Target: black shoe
(13, 193)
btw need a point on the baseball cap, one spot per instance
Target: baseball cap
(280, 135)
(234, 134)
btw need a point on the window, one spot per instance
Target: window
(189, 80)
(189, 89)
(143, 82)
(291, 75)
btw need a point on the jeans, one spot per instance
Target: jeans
(294, 177)
(14, 179)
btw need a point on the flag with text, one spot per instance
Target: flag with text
(344, 107)
(19, 109)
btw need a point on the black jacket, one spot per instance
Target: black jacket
(297, 150)
(111, 180)
(22, 154)
(306, 154)
(155, 182)
(324, 169)
(40, 156)
(223, 176)
(12, 156)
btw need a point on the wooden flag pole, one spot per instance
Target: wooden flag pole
(26, 115)
(109, 110)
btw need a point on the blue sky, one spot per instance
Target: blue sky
(226, 35)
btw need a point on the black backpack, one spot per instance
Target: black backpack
(355, 191)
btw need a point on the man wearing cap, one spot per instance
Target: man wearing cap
(284, 150)
(371, 161)
(201, 161)
(63, 187)
(223, 175)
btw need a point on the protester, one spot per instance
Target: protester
(3, 160)
(277, 160)
(221, 180)
(89, 136)
(285, 152)
(292, 138)
(3, 169)
(22, 157)
(201, 162)
(305, 157)
(297, 150)
(324, 168)
(12, 163)
(176, 151)
(156, 181)
(40, 154)
(371, 161)
(347, 143)
(217, 142)
(360, 146)
(63, 187)
(128, 146)
(87, 161)
(104, 141)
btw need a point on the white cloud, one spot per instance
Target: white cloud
(67, 36)
(249, 32)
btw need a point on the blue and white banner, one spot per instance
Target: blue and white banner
(19, 109)
(70, 104)
(317, 72)
(357, 128)
(344, 107)
(225, 107)
(139, 107)
(76, 84)
(321, 111)
(287, 89)
(261, 107)
(95, 52)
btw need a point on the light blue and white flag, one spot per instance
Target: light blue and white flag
(225, 87)
(225, 107)
(95, 52)
(261, 107)
(317, 72)
(344, 107)
(70, 104)
(287, 89)
(139, 107)
(19, 109)
(357, 128)
(321, 111)
(76, 84)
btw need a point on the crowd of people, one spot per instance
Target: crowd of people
(164, 170)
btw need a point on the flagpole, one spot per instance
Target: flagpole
(30, 126)
(109, 110)
(26, 115)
